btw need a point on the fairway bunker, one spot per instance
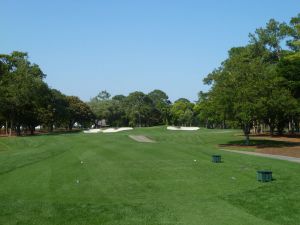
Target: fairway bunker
(182, 128)
(108, 130)
(141, 138)
(115, 130)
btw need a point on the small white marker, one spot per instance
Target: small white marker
(81, 162)
(195, 160)
(233, 178)
(77, 181)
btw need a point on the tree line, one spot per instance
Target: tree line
(27, 102)
(140, 110)
(258, 86)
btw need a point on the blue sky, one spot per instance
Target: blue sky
(125, 45)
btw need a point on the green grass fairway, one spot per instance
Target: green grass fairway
(123, 182)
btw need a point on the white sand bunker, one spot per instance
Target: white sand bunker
(109, 130)
(183, 128)
(141, 138)
(115, 130)
(92, 131)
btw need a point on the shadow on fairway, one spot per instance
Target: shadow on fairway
(260, 144)
(54, 133)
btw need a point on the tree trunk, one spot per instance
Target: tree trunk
(32, 129)
(18, 130)
(246, 133)
(11, 127)
(224, 124)
(140, 120)
(297, 125)
(6, 127)
(51, 128)
(272, 130)
(70, 126)
(293, 126)
(280, 127)
(247, 141)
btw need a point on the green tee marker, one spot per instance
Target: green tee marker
(216, 158)
(264, 176)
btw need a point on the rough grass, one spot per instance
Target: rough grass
(125, 182)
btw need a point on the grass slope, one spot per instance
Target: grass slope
(123, 182)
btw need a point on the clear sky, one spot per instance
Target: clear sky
(126, 45)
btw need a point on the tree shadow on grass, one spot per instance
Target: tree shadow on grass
(59, 133)
(39, 134)
(260, 144)
(54, 133)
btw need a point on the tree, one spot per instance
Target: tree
(182, 112)
(258, 83)
(238, 86)
(103, 96)
(162, 104)
(26, 101)
(267, 42)
(139, 107)
(78, 112)
(55, 114)
(293, 32)
(289, 68)
(22, 90)
(207, 110)
(117, 115)
(100, 106)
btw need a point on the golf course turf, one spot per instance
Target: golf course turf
(110, 179)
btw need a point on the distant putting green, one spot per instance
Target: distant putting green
(110, 179)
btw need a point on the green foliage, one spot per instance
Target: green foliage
(78, 112)
(182, 112)
(289, 68)
(258, 83)
(139, 107)
(26, 101)
(136, 109)
(162, 105)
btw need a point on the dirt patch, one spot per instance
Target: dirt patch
(141, 138)
(285, 146)
(286, 151)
